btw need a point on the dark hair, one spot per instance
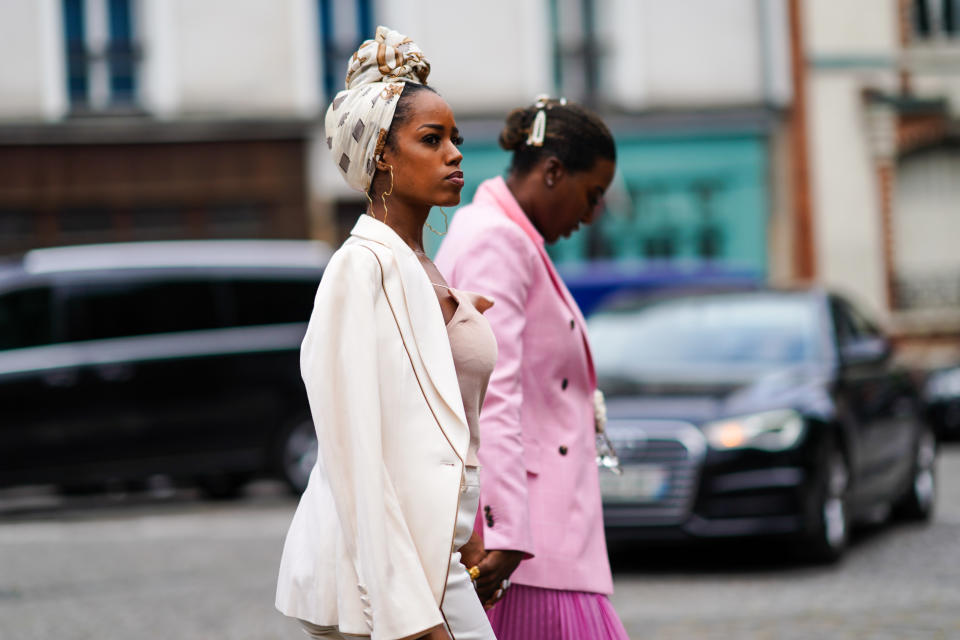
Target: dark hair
(574, 134)
(402, 112)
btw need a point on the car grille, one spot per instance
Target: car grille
(661, 464)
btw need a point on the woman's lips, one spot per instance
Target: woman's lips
(456, 178)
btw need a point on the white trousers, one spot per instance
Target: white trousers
(461, 608)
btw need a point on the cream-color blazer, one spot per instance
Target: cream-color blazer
(369, 547)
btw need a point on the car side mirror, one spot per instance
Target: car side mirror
(866, 350)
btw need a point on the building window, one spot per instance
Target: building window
(121, 53)
(936, 18)
(102, 53)
(343, 27)
(575, 49)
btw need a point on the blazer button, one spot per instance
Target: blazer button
(563, 449)
(572, 325)
(563, 385)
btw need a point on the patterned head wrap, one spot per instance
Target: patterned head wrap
(359, 117)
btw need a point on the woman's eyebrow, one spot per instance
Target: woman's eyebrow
(454, 132)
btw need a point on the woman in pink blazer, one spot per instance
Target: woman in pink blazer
(541, 518)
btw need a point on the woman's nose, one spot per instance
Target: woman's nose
(455, 156)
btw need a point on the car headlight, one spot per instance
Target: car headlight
(943, 385)
(770, 431)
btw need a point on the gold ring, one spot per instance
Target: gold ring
(474, 572)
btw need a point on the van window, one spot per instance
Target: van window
(94, 311)
(272, 301)
(25, 319)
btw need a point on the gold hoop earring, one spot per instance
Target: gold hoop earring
(445, 224)
(383, 195)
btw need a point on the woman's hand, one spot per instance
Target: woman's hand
(496, 567)
(472, 553)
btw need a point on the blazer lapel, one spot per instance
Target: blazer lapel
(496, 189)
(425, 318)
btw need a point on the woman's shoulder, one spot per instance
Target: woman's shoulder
(479, 223)
(355, 258)
(492, 246)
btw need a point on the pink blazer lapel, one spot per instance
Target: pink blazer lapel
(498, 191)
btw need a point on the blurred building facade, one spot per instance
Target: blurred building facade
(780, 139)
(154, 119)
(882, 102)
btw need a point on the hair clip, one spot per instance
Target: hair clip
(538, 130)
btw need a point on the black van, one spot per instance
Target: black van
(123, 361)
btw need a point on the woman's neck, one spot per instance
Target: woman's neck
(525, 197)
(407, 222)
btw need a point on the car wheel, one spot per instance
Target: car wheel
(918, 503)
(829, 529)
(298, 454)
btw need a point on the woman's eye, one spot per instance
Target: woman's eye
(457, 140)
(431, 138)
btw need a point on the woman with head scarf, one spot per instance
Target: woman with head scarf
(541, 518)
(395, 365)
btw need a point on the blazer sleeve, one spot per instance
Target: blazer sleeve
(498, 264)
(339, 364)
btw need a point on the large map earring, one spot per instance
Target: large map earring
(445, 224)
(383, 196)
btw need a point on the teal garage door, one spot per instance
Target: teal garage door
(682, 201)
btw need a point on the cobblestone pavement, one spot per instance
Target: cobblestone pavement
(145, 568)
(896, 582)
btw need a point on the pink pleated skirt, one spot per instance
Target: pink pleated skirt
(532, 613)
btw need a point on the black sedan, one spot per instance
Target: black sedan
(762, 413)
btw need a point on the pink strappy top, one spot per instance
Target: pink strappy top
(474, 350)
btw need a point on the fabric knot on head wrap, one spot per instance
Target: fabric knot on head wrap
(359, 117)
(389, 57)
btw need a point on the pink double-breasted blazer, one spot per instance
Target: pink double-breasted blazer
(539, 482)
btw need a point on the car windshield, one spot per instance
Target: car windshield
(734, 333)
